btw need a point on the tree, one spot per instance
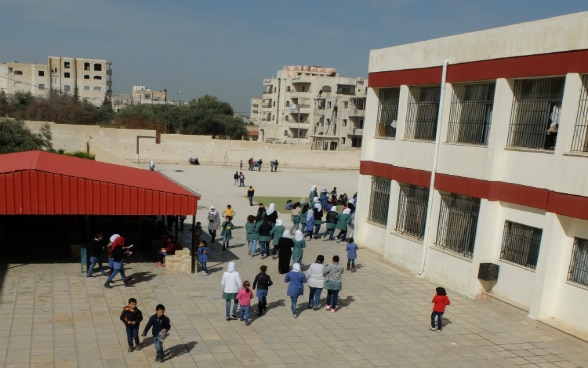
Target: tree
(16, 137)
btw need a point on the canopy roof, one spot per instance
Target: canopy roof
(42, 183)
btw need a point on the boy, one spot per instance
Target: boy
(351, 250)
(161, 326)
(203, 257)
(131, 316)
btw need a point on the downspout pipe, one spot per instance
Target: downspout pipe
(427, 235)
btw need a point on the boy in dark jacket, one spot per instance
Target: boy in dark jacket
(161, 326)
(131, 316)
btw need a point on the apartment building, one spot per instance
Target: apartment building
(311, 105)
(91, 77)
(475, 162)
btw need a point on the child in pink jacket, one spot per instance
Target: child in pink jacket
(244, 296)
(440, 301)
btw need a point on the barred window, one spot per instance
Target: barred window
(471, 112)
(458, 220)
(423, 108)
(520, 244)
(388, 112)
(535, 113)
(578, 271)
(412, 210)
(380, 200)
(580, 140)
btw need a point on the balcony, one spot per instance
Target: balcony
(295, 126)
(300, 79)
(356, 132)
(356, 112)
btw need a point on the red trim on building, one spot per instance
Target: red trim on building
(42, 183)
(543, 199)
(558, 63)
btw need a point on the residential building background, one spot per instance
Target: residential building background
(474, 165)
(311, 105)
(91, 77)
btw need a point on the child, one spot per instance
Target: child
(244, 296)
(351, 250)
(441, 300)
(203, 257)
(226, 232)
(131, 316)
(161, 326)
(197, 232)
(262, 282)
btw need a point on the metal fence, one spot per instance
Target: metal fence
(458, 221)
(387, 112)
(471, 112)
(520, 244)
(578, 271)
(580, 139)
(379, 200)
(412, 210)
(423, 109)
(535, 113)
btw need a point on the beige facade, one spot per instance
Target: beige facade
(311, 105)
(91, 77)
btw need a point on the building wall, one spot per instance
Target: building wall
(539, 187)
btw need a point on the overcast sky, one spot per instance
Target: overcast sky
(226, 48)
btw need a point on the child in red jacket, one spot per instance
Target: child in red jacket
(440, 301)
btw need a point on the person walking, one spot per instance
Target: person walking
(333, 283)
(299, 245)
(131, 316)
(227, 231)
(244, 297)
(264, 229)
(236, 177)
(119, 251)
(285, 245)
(161, 325)
(241, 179)
(231, 283)
(250, 194)
(295, 216)
(229, 211)
(213, 223)
(309, 225)
(316, 282)
(351, 250)
(296, 280)
(312, 194)
(440, 301)
(96, 248)
(252, 235)
(262, 282)
(317, 211)
(276, 233)
(343, 220)
(203, 257)
(271, 214)
(331, 220)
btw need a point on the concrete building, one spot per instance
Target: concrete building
(91, 77)
(311, 105)
(475, 163)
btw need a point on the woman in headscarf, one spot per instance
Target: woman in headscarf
(312, 193)
(296, 281)
(271, 214)
(343, 220)
(252, 235)
(285, 245)
(213, 223)
(277, 232)
(333, 283)
(299, 245)
(316, 281)
(331, 221)
(318, 218)
(264, 228)
(231, 283)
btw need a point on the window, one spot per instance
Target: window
(86, 76)
(344, 89)
(66, 75)
(535, 113)
(345, 104)
(520, 244)
(147, 96)
(412, 210)
(41, 73)
(344, 122)
(580, 140)
(97, 77)
(379, 200)
(66, 88)
(458, 220)
(97, 67)
(86, 88)
(97, 88)
(18, 72)
(328, 104)
(423, 108)
(86, 66)
(41, 86)
(66, 64)
(471, 112)
(288, 89)
(387, 112)
(578, 271)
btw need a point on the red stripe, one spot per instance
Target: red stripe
(558, 63)
(544, 199)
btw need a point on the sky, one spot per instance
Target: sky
(226, 48)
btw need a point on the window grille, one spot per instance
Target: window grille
(423, 108)
(578, 271)
(380, 200)
(458, 220)
(580, 140)
(412, 210)
(535, 113)
(471, 112)
(520, 244)
(388, 112)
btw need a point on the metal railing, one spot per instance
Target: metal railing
(387, 112)
(578, 270)
(412, 210)
(379, 200)
(458, 221)
(520, 244)
(580, 139)
(470, 114)
(423, 108)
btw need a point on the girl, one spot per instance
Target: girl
(440, 301)
(264, 229)
(244, 296)
(231, 283)
(271, 213)
(351, 250)
(252, 234)
(343, 220)
(296, 281)
(299, 245)
(277, 232)
(296, 212)
(316, 281)
(203, 257)
(262, 282)
(226, 232)
(333, 283)
(285, 245)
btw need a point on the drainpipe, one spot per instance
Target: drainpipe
(427, 235)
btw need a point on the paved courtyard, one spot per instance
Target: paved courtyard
(54, 317)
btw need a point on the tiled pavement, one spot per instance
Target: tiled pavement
(54, 317)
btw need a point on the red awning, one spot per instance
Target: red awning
(42, 183)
